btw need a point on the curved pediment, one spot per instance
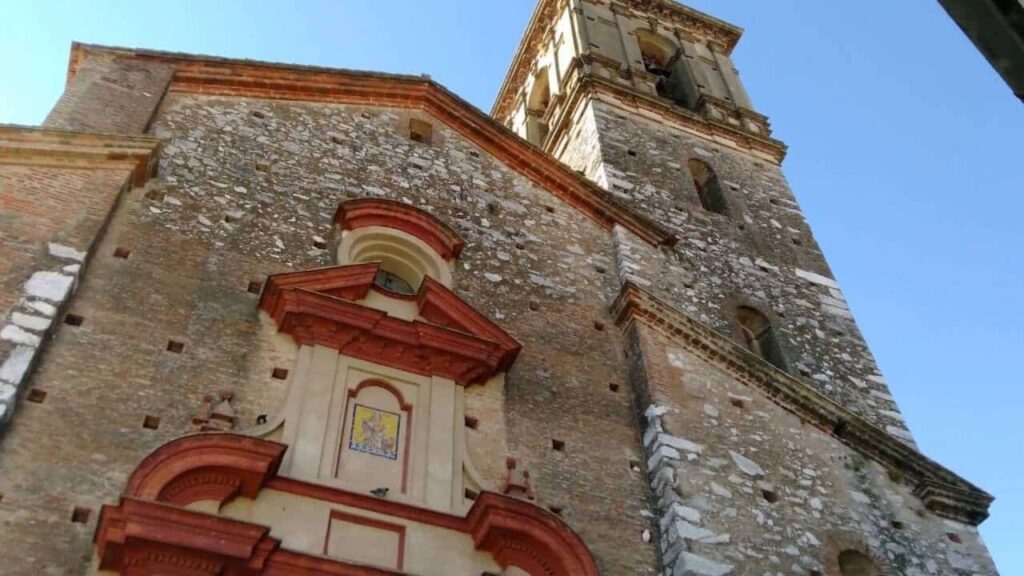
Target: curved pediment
(152, 530)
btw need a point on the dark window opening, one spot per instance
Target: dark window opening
(853, 563)
(664, 60)
(393, 283)
(759, 336)
(420, 131)
(709, 190)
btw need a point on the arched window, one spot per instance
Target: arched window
(708, 189)
(404, 259)
(663, 58)
(853, 563)
(759, 336)
(659, 56)
(393, 282)
(537, 105)
(409, 243)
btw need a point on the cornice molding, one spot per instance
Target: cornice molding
(28, 146)
(580, 86)
(669, 13)
(942, 491)
(674, 14)
(248, 79)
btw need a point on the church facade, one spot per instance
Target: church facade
(275, 319)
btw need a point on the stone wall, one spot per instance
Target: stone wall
(249, 188)
(746, 488)
(761, 253)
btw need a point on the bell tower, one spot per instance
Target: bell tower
(743, 358)
(658, 57)
(643, 98)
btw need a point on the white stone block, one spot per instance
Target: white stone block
(66, 252)
(655, 411)
(817, 278)
(660, 455)
(30, 322)
(719, 490)
(746, 465)
(689, 563)
(51, 286)
(686, 513)
(18, 335)
(44, 308)
(680, 443)
(16, 365)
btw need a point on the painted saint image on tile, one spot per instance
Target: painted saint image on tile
(375, 432)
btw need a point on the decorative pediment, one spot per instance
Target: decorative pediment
(318, 307)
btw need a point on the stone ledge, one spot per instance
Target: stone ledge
(942, 491)
(30, 146)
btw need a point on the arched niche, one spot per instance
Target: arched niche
(663, 58)
(410, 243)
(856, 563)
(759, 335)
(399, 253)
(709, 189)
(376, 438)
(537, 103)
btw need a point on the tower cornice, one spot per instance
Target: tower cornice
(723, 34)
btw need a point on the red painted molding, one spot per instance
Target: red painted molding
(160, 535)
(377, 383)
(205, 467)
(521, 534)
(143, 535)
(144, 538)
(352, 282)
(454, 342)
(363, 212)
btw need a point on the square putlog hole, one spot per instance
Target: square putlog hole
(36, 395)
(254, 287)
(557, 445)
(279, 374)
(612, 386)
(122, 252)
(80, 515)
(73, 320)
(175, 347)
(472, 423)
(151, 422)
(420, 131)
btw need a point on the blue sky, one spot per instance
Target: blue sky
(905, 153)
